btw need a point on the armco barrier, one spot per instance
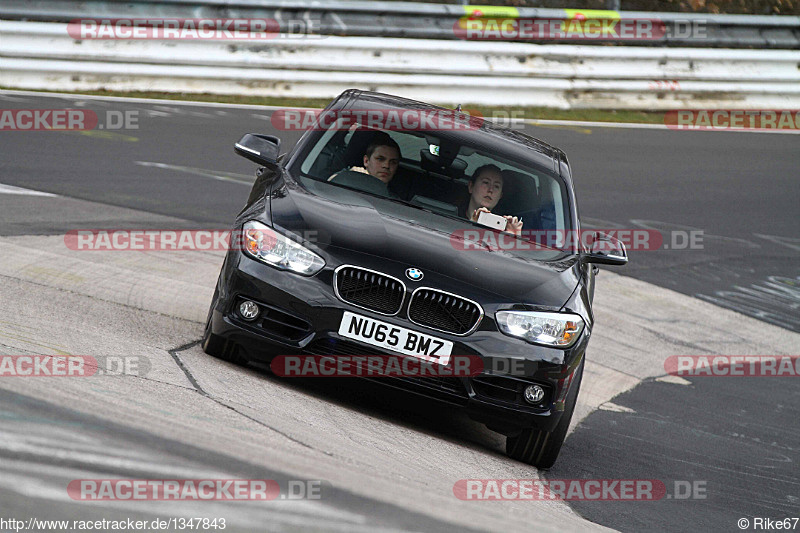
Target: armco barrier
(416, 20)
(44, 56)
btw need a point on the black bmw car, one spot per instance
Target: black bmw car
(403, 229)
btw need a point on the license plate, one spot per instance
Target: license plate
(402, 340)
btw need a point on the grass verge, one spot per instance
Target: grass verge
(541, 113)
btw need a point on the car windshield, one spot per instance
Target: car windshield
(443, 175)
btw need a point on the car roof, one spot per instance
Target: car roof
(486, 132)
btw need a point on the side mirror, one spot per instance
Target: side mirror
(261, 149)
(606, 250)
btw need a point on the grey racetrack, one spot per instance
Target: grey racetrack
(388, 461)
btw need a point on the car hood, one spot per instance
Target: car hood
(332, 217)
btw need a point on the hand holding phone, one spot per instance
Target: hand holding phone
(491, 220)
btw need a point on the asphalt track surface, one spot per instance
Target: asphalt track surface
(737, 436)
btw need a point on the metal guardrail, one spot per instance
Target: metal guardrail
(413, 20)
(44, 56)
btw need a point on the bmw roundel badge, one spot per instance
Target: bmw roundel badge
(414, 274)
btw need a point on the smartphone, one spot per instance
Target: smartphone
(491, 220)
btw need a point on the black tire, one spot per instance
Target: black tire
(219, 347)
(540, 448)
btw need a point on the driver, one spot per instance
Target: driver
(381, 159)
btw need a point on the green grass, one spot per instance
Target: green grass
(542, 113)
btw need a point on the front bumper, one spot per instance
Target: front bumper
(303, 315)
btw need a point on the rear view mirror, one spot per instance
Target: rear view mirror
(607, 250)
(261, 149)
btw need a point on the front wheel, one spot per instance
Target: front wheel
(540, 448)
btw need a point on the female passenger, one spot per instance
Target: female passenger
(485, 190)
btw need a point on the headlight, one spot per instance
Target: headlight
(552, 329)
(269, 246)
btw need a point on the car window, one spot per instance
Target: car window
(410, 145)
(434, 173)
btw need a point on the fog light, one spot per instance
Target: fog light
(248, 310)
(534, 394)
